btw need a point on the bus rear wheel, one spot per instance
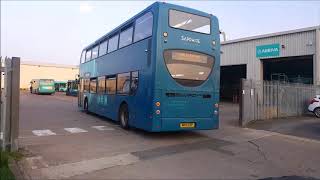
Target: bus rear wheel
(124, 116)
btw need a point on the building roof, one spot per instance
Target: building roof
(271, 35)
(33, 63)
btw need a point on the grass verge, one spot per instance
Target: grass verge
(5, 157)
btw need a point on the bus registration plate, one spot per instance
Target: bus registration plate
(187, 125)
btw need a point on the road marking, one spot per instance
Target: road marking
(1, 135)
(45, 132)
(75, 130)
(72, 169)
(103, 128)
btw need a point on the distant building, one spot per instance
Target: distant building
(36, 70)
(289, 56)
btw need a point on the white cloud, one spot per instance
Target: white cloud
(85, 8)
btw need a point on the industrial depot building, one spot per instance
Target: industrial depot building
(290, 56)
(35, 70)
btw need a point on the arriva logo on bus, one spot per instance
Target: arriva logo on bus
(189, 39)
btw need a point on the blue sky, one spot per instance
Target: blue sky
(56, 32)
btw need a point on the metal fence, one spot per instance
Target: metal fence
(273, 99)
(9, 103)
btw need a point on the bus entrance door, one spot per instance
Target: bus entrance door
(80, 94)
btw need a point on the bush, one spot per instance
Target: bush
(5, 173)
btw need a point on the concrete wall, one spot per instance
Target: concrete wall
(243, 51)
(30, 71)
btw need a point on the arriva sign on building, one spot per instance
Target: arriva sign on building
(269, 50)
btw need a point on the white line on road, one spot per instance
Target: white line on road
(87, 166)
(75, 130)
(45, 132)
(1, 135)
(103, 128)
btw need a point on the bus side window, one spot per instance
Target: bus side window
(95, 52)
(123, 83)
(102, 85)
(111, 85)
(103, 48)
(126, 37)
(88, 55)
(134, 82)
(113, 43)
(143, 27)
(93, 85)
(86, 85)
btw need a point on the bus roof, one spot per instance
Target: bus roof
(156, 4)
(115, 30)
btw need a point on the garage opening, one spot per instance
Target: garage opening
(230, 82)
(289, 69)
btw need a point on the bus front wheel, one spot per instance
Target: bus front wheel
(124, 116)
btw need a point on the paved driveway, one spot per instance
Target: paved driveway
(307, 126)
(60, 142)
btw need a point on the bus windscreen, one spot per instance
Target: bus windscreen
(46, 81)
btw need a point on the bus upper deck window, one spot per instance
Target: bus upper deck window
(189, 22)
(103, 48)
(126, 37)
(143, 27)
(95, 52)
(113, 43)
(88, 55)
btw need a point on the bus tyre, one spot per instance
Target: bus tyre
(124, 116)
(85, 106)
(317, 112)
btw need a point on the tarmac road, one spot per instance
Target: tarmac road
(307, 126)
(60, 142)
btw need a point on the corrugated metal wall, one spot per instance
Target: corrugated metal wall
(244, 52)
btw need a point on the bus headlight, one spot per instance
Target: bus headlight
(213, 43)
(157, 111)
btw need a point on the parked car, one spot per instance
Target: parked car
(314, 105)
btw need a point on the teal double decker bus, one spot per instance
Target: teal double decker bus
(158, 71)
(42, 86)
